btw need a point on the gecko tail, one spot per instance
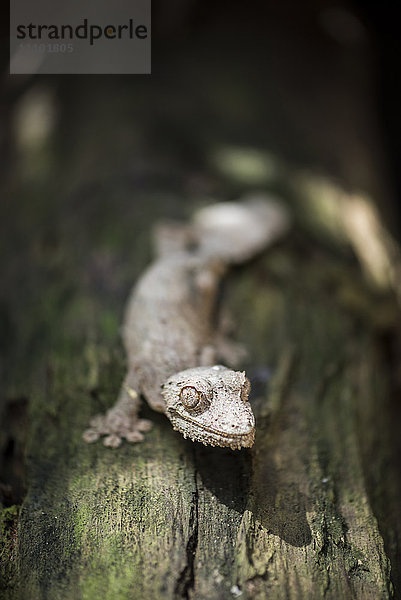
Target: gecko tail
(237, 231)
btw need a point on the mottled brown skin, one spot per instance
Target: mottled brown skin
(169, 328)
(171, 309)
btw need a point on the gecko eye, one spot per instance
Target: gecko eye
(245, 391)
(193, 400)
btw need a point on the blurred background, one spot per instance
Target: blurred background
(311, 86)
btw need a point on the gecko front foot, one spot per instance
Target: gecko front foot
(120, 422)
(115, 428)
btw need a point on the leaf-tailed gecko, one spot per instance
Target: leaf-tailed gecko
(172, 343)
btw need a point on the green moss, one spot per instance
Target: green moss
(8, 549)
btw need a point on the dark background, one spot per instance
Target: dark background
(285, 53)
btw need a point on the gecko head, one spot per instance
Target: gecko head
(210, 405)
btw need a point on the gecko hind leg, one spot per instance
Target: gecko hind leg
(121, 421)
(223, 350)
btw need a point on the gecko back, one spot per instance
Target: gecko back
(170, 334)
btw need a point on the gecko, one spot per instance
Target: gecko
(175, 349)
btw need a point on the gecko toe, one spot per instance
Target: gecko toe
(112, 441)
(134, 437)
(144, 425)
(90, 435)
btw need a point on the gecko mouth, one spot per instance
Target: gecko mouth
(208, 435)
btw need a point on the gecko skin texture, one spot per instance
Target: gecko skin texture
(174, 346)
(210, 404)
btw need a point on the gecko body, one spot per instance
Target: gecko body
(172, 342)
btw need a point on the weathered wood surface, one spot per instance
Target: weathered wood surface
(312, 511)
(167, 518)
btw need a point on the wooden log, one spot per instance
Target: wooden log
(294, 517)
